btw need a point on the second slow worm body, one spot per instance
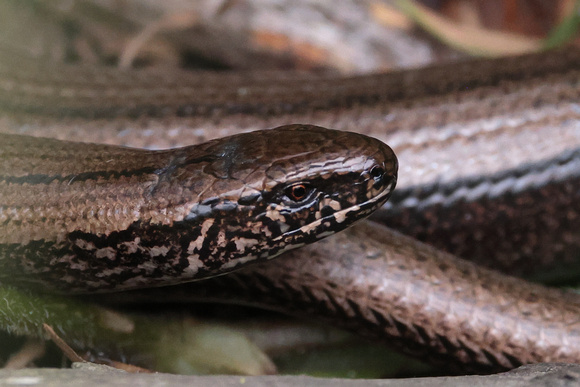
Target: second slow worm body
(489, 169)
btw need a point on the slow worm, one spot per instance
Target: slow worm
(489, 155)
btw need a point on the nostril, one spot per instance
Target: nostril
(377, 172)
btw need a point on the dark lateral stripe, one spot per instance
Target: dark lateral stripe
(38, 179)
(448, 188)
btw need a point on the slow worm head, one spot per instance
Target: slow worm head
(85, 217)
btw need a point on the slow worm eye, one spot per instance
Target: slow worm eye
(297, 192)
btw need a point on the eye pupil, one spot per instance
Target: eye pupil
(377, 172)
(297, 192)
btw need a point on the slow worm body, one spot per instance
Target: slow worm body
(489, 154)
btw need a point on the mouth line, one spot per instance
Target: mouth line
(362, 210)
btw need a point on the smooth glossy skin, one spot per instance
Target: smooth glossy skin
(84, 218)
(489, 165)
